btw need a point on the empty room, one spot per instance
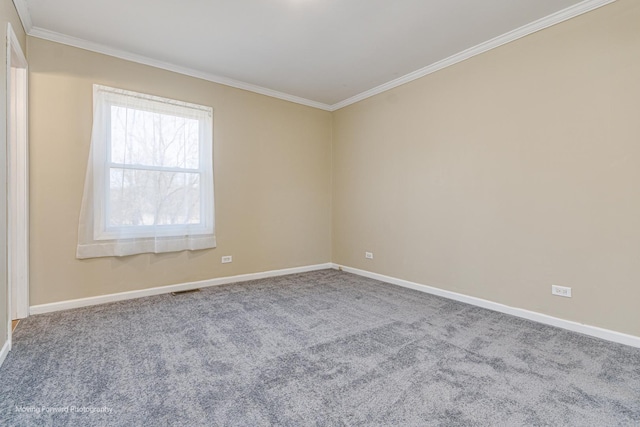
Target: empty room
(320, 212)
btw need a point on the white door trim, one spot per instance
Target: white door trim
(17, 180)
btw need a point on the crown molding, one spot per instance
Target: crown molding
(23, 13)
(140, 59)
(548, 21)
(540, 24)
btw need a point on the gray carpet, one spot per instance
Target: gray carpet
(322, 348)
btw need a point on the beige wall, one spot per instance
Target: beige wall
(8, 14)
(271, 165)
(505, 174)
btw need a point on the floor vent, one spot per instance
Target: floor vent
(189, 291)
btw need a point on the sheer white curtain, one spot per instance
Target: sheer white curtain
(149, 180)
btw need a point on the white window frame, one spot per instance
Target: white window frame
(103, 165)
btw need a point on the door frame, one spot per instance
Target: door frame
(17, 180)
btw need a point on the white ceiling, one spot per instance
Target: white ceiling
(325, 53)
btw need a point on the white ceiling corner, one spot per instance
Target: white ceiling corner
(23, 13)
(99, 48)
(548, 21)
(325, 54)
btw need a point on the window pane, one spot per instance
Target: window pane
(152, 139)
(140, 197)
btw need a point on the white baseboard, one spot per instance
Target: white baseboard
(103, 299)
(5, 350)
(593, 331)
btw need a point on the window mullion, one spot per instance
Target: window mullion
(152, 168)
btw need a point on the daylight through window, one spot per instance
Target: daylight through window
(150, 174)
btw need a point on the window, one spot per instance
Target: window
(149, 182)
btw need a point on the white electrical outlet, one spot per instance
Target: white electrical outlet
(227, 259)
(368, 255)
(561, 291)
